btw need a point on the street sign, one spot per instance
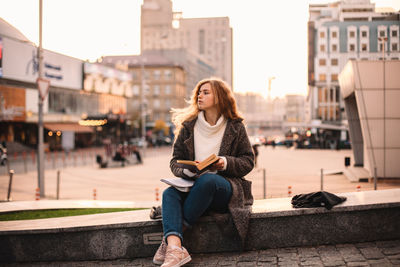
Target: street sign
(43, 86)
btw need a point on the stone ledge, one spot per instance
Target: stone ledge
(274, 223)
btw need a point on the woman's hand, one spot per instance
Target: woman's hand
(217, 166)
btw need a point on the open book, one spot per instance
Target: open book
(198, 167)
(181, 184)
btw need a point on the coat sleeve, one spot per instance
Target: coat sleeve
(179, 152)
(241, 161)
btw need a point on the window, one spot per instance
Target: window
(156, 90)
(394, 47)
(322, 34)
(146, 89)
(334, 77)
(394, 33)
(157, 74)
(320, 112)
(201, 42)
(168, 89)
(168, 74)
(331, 90)
(364, 34)
(134, 75)
(337, 93)
(147, 74)
(334, 61)
(334, 48)
(382, 33)
(352, 47)
(320, 95)
(322, 48)
(352, 34)
(322, 62)
(156, 103)
(167, 103)
(136, 103)
(334, 34)
(136, 90)
(322, 77)
(364, 47)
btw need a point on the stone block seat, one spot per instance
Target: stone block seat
(364, 216)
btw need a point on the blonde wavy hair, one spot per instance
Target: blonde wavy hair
(224, 98)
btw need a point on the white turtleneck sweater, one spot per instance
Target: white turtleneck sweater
(207, 139)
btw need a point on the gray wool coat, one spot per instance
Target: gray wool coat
(235, 146)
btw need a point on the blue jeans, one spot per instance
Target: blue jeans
(209, 192)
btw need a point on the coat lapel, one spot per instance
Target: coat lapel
(189, 142)
(228, 138)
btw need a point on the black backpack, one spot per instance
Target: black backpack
(317, 199)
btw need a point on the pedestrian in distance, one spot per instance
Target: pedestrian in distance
(273, 144)
(3, 153)
(135, 151)
(210, 124)
(120, 155)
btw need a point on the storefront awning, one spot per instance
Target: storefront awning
(63, 127)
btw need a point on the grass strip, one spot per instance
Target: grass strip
(42, 214)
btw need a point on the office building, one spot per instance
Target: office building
(209, 39)
(342, 31)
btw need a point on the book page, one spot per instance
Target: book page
(178, 182)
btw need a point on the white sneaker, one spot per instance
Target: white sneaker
(176, 257)
(159, 257)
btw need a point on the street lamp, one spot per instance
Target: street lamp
(142, 104)
(382, 40)
(40, 111)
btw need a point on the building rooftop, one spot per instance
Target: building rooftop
(7, 30)
(148, 58)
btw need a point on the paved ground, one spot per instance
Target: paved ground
(379, 254)
(299, 169)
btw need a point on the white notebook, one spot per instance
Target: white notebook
(181, 184)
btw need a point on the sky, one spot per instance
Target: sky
(269, 36)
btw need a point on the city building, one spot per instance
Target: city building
(163, 80)
(69, 104)
(342, 31)
(262, 116)
(209, 39)
(295, 108)
(195, 67)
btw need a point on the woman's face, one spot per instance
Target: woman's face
(205, 98)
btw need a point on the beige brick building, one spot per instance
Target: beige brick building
(164, 84)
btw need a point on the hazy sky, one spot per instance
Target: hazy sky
(269, 37)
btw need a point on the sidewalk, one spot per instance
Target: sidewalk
(378, 254)
(299, 169)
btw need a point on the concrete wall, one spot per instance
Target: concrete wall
(375, 85)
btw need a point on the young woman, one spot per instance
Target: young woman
(210, 124)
